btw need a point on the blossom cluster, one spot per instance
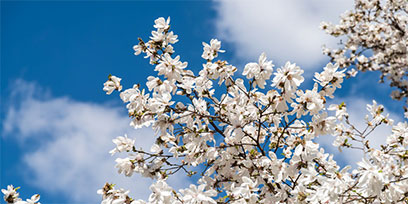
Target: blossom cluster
(376, 39)
(160, 42)
(253, 140)
(12, 196)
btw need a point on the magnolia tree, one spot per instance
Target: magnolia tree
(249, 138)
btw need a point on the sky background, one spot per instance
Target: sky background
(56, 122)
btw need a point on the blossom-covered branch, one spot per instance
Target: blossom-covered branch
(376, 39)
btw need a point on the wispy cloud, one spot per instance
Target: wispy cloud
(72, 140)
(285, 30)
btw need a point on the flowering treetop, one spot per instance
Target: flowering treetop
(253, 139)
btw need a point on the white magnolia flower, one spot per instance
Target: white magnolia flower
(260, 71)
(158, 36)
(330, 75)
(211, 50)
(170, 39)
(372, 177)
(159, 102)
(197, 195)
(200, 105)
(153, 82)
(171, 68)
(161, 193)
(155, 149)
(287, 152)
(187, 83)
(311, 100)
(341, 110)
(169, 49)
(322, 124)
(246, 189)
(376, 112)
(10, 194)
(138, 49)
(353, 72)
(125, 165)
(399, 134)
(122, 144)
(112, 84)
(288, 78)
(110, 195)
(33, 200)
(162, 24)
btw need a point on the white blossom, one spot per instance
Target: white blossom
(112, 84)
(210, 51)
(288, 78)
(125, 166)
(196, 195)
(161, 193)
(260, 71)
(171, 68)
(162, 24)
(33, 200)
(341, 110)
(110, 195)
(330, 75)
(311, 100)
(122, 144)
(10, 194)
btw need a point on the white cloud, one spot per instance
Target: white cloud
(356, 107)
(285, 30)
(72, 140)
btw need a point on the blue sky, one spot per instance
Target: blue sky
(55, 56)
